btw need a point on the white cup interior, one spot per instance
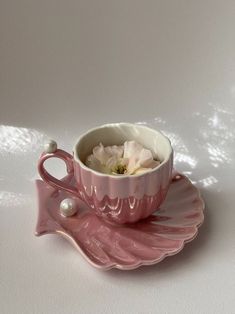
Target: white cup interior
(117, 134)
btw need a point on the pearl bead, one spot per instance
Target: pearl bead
(50, 147)
(68, 207)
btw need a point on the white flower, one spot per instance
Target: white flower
(139, 158)
(130, 158)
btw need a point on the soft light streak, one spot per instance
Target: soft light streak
(10, 199)
(17, 140)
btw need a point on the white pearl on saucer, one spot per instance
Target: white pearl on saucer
(50, 147)
(68, 207)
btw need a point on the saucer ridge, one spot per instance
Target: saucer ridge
(108, 245)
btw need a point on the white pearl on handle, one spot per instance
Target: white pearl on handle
(50, 147)
(68, 207)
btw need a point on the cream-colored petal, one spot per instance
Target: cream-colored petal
(96, 165)
(93, 163)
(133, 155)
(112, 162)
(133, 165)
(142, 170)
(145, 157)
(114, 150)
(131, 148)
(100, 154)
(154, 164)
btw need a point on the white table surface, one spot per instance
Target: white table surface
(66, 66)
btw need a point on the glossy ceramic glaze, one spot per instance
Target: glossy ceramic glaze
(121, 199)
(107, 245)
(67, 66)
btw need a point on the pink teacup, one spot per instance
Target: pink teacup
(122, 199)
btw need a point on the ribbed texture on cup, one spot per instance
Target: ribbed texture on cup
(125, 199)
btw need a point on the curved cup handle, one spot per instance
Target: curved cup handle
(56, 183)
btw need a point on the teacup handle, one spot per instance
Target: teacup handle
(48, 178)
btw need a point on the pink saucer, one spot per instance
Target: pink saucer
(107, 245)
